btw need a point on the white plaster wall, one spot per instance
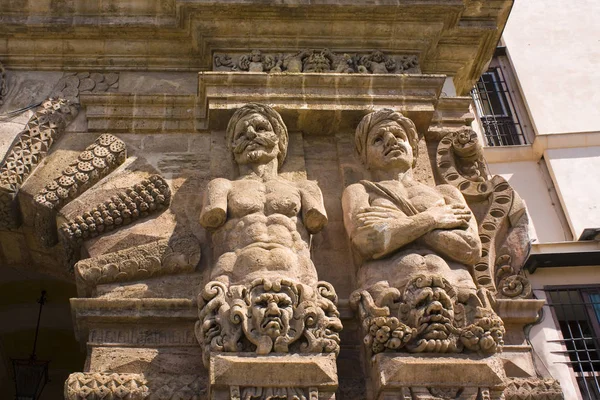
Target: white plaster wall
(576, 173)
(554, 46)
(546, 331)
(527, 179)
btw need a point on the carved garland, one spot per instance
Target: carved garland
(28, 150)
(97, 161)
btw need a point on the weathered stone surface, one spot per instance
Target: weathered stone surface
(26, 152)
(168, 256)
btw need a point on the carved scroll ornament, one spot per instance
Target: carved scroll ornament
(268, 316)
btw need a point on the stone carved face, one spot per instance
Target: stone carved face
(388, 147)
(254, 140)
(271, 313)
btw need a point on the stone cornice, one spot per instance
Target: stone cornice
(451, 37)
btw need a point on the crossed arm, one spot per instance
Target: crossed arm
(378, 231)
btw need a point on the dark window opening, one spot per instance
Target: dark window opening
(496, 110)
(577, 311)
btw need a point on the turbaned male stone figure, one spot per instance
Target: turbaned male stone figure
(415, 243)
(264, 295)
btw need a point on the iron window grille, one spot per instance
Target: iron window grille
(496, 110)
(577, 311)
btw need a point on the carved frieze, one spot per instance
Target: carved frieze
(179, 254)
(317, 61)
(150, 196)
(97, 161)
(72, 84)
(533, 388)
(268, 316)
(102, 386)
(29, 149)
(273, 393)
(427, 317)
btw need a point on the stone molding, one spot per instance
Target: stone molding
(115, 386)
(97, 161)
(456, 38)
(533, 388)
(321, 61)
(179, 254)
(29, 148)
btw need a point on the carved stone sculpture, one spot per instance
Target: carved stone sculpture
(317, 61)
(149, 196)
(265, 296)
(28, 150)
(416, 245)
(97, 161)
(73, 84)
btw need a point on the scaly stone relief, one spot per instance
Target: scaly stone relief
(264, 296)
(460, 163)
(317, 61)
(417, 245)
(28, 150)
(97, 161)
(73, 84)
(179, 254)
(150, 196)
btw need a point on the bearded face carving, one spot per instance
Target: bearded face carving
(429, 308)
(271, 314)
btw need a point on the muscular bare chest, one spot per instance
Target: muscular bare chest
(271, 197)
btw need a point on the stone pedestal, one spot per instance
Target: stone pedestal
(403, 376)
(234, 376)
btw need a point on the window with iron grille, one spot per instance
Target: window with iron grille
(577, 311)
(496, 107)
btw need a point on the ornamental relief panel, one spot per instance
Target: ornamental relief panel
(317, 61)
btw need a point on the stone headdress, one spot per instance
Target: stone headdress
(274, 119)
(373, 119)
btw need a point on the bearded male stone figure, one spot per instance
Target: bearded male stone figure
(261, 223)
(264, 295)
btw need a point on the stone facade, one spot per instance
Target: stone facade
(249, 217)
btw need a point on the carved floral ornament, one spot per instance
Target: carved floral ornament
(317, 61)
(427, 318)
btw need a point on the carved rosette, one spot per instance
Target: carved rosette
(317, 61)
(150, 196)
(427, 318)
(30, 148)
(268, 316)
(97, 161)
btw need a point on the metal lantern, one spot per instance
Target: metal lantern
(31, 375)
